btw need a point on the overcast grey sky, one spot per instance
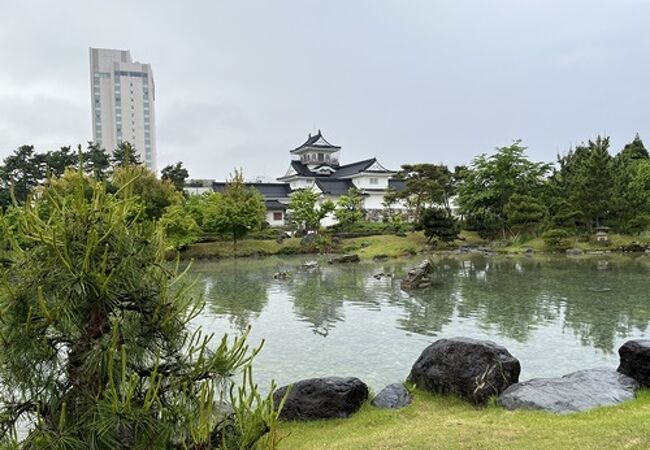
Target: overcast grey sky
(239, 83)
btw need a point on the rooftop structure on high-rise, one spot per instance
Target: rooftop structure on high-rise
(122, 98)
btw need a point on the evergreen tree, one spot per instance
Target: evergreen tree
(23, 171)
(590, 181)
(438, 223)
(426, 185)
(176, 174)
(97, 352)
(635, 150)
(629, 205)
(524, 212)
(57, 161)
(96, 161)
(125, 155)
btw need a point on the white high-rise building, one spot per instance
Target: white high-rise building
(122, 96)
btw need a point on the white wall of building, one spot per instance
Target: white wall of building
(273, 220)
(122, 94)
(371, 181)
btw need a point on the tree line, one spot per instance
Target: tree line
(505, 194)
(500, 195)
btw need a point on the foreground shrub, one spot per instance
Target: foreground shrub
(96, 351)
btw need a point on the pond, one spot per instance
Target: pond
(555, 314)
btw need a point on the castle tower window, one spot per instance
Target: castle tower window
(321, 157)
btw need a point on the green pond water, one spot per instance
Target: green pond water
(555, 314)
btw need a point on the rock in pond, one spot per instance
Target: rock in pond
(322, 398)
(577, 391)
(352, 258)
(472, 369)
(393, 396)
(419, 276)
(309, 266)
(635, 360)
(574, 252)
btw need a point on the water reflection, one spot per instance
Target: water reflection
(599, 300)
(235, 290)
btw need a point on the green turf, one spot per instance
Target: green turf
(435, 422)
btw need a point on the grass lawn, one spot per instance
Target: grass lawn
(433, 422)
(385, 245)
(388, 245)
(366, 247)
(246, 247)
(615, 241)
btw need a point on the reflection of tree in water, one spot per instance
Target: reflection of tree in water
(600, 304)
(427, 311)
(236, 291)
(318, 297)
(509, 295)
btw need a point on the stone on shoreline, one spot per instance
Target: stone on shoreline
(577, 391)
(321, 398)
(393, 396)
(574, 252)
(472, 369)
(635, 360)
(351, 258)
(419, 276)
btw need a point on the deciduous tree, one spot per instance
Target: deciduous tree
(349, 210)
(239, 209)
(306, 212)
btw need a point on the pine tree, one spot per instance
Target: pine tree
(97, 353)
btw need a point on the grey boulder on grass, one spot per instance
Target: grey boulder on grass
(577, 391)
(393, 396)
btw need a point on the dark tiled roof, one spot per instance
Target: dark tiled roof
(274, 204)
(302, 169)
(313, 141)
(354, 168)
(334, 187)
(397, 185)
(268, 190)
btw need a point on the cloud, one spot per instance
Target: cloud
(240, 83)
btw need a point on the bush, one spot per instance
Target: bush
(437, 223)
(557, 239)
(97, 350)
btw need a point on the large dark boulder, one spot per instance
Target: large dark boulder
(577, 391)
(635, 360)
(393, 396)
(321, 398)
(419, 276)
(472, 369)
